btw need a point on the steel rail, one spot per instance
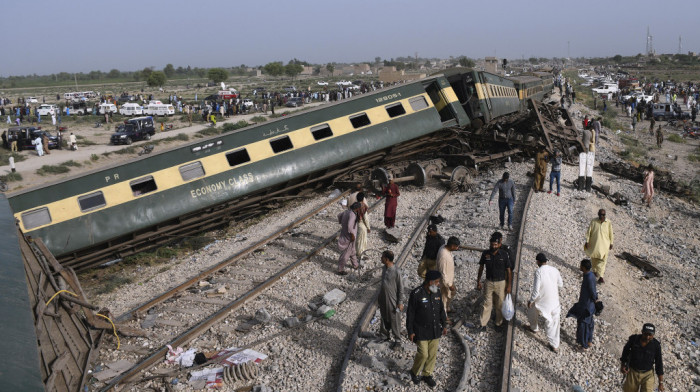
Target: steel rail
(201, 327)
(223, 264)
(371, 306)
(510, 329)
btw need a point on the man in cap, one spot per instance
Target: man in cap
(640, 354)
(599, 242)
(426, 322)
(346, 239)
(390, 298)
(391, 192)
(445, 264)
(506, 198)
(544, 301)
(499, 269)
(433, 243)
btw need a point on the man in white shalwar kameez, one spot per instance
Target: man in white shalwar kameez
(544, 301)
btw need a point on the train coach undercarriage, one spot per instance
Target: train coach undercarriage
(451, 155)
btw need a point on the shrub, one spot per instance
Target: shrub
(258, 119)
(228, 127)
(676, 138)
(182, 136)
(52, 169)
(94, 157)
(10, 177)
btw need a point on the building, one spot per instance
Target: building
(391, 75)
(491, 65)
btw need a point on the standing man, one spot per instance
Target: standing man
(506, 198)
(446, 266)
(640, 354)
(390, 299)
(59, 138)
(599, 242)
(38, 146)
(540, 169)
(433, 243)
(426, 322)
(346, 239)
(586, 159)
(652, 122)
(391, 192)
(659, 137)
(45, 143)
(544, 301)
(556, 171)
(499, 269)
(584, 309)
(596, 129)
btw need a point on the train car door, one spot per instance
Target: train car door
(441, 103)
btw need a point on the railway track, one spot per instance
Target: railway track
(471, 361)
(249, 279)
(175, 299)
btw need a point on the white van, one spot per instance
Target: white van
(156, 108)
(47, 109)
(108, 108)
(131, 109)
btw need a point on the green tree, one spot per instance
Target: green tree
(156, 79)
(465, 61)
(274, 68)
(146, 73)
(114, 74)
(532, 60)
(293, 69)
(617, 58)
(217, 75)
(169, 70)
(330, 68)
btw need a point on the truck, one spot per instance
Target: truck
(140, 128)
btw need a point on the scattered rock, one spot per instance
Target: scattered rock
(290, 322)
(334, 297)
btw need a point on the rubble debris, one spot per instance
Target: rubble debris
(334, 297)
(392, 235)
(662, 179)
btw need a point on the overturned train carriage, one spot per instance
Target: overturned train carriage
(127, 208)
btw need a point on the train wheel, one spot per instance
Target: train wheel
(462, 179)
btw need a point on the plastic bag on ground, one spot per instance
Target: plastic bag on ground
(508, 309)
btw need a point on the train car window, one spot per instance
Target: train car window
(321, 131)
(143, 185)
(191, 171)
(418, 103)
(36, 218)
(92, 201)
(280, 144)
(238, 157)
(360, 120)
(395, 110)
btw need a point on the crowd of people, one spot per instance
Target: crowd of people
(428, 306)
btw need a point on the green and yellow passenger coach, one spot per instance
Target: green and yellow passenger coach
(106, 207)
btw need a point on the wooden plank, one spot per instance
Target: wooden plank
(640, 263)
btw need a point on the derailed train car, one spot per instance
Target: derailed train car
(130, 207)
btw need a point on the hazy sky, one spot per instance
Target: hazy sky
(48, 36)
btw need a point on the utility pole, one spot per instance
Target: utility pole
(680, 44)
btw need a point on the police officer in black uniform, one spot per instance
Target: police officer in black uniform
(426, 322)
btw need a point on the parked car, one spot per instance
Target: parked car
(108, 108)
(25, 135)
(343, 83)
(668, 111)
(140, 128)
(295, 102)
(31, 100)
(247, 103)
(47, 109)
(321, 83)
(290, 89)
(126, 98)
(131, 109)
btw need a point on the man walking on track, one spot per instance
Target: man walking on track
(426, 322)
(346, 239)
(599, 242)
(390, 299)
(540, 169)
(544, 301)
